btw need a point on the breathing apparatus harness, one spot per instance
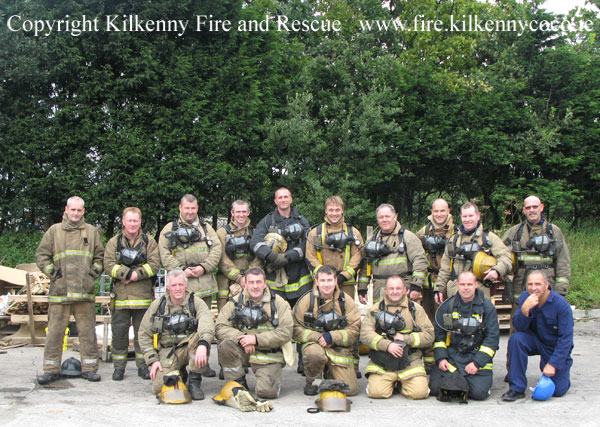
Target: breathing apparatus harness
(338, 241)
(544, 245)
(174, 323)
(433, 243)
(187, 236)
(468, 328)
(466, 253)
(131, 257)
(326, 321)
(251, 315)
(388, 325)
(237, 246)
(292, 229)
(376, 249)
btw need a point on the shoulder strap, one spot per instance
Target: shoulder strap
(119, 242)
(519, 233)
(549, 231)
(274, 316)
(161, 306)
(227, 228)
(413, 311)
(192, 306)
(342, 301)
(428, 228)
(452, 247)
(311, 305)
(487, 244)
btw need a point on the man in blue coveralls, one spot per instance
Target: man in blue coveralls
(544, 326)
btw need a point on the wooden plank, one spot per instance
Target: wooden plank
(24, 318)
(13, 276)
(30, 310)
(104, 299)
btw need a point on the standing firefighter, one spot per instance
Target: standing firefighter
(132, 261)
(236, 257)
(537, 245)
(176, 332)
(396, 329)
(472, 248)
(335, 243)
(251, 330)
(391, 251)
(279, 241)
(71, 253)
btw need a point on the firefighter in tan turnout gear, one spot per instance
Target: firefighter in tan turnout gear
(190, 244)
(463, 252)
(335, 243)
(327, 324)
(236, 256)
(392, 250)
(396, 329)
(71, 253)
(537, 245)
(131, 259)
(176, 332)
(251, 330)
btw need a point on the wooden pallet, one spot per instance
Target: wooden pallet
(502, 309)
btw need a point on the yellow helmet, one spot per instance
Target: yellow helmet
(276, 242)
(225, 396)
(175, 394)
(333, 401)
(482, 263)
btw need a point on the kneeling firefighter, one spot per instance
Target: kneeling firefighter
(466, 339)
(327, 324)
(176, 332)
(396, 329)
(252, 328)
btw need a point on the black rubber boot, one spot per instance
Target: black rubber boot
(300, 368)
(194, 386)
(47, 378)
(242, 381)
(209, 373)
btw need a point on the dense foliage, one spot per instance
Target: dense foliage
(139, 118)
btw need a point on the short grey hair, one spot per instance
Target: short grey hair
(385, 205)
(75, 199)
(176, 273)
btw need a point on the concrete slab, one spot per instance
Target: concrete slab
(130, 402)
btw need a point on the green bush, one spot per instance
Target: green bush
(18, 247)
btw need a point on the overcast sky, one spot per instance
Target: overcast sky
(562, 6)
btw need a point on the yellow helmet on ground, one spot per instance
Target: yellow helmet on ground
(482, 263)
(333, 401)
(175, 394)
(225, 396)
(276, 242)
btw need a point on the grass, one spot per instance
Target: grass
(584, 289)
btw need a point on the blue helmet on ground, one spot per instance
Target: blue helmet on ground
(544, 389)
